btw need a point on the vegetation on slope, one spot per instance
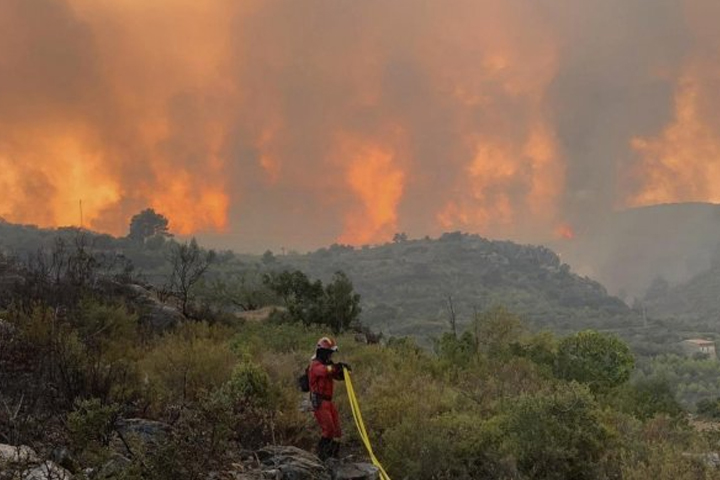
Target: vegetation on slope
(405, 285)
(695, 302)
(490, 400)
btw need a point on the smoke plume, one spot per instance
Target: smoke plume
(279, 122)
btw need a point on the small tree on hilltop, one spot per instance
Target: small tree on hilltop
(148, 223)
(400, 237)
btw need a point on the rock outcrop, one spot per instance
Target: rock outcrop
(153, 313)
(23, 463)
(148, 433)
(291, 463)
(273, 462)
(355, 471)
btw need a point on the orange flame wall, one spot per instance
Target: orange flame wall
(682, 161)
(302, 123)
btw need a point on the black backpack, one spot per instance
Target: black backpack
(303, 381)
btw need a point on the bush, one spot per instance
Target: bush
(555, 435)
(250, 385)
(663, 450)
(645, 399)
(599, 360)
(200, 441)
(275, 336)
(91, 427)
(709, 408)
(447, 446)
(187, 364)
(90, 351)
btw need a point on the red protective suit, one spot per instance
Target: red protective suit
(321, 387)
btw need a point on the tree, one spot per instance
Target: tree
(148, 224)
(400, 237)
(645, 398)
(336, 305)
(304, 299)
(597, 359)
(342, 305)
(244, 290)
(452, 315)
(496, 330)
(189, 263)
(268, 257)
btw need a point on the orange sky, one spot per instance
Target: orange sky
(278, 122)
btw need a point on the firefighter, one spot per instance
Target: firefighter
(322, 374)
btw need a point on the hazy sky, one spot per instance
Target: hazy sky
(300, 123)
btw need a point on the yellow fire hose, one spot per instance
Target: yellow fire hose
(361, 425)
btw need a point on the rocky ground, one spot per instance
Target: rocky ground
(273, 462)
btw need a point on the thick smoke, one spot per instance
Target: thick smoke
(279, 122)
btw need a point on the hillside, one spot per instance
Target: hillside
(93, 392)
(627, 250)
(695, 302)
(210, 385)
(406, 285)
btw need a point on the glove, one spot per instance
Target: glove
(344, 366)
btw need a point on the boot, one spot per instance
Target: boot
(335, 449)
(324, 449)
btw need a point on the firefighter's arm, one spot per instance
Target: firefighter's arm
(328, 370)
(339, 370)
(334, 371)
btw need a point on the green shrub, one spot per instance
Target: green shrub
(662, 449)
(250, 385)
(188, 363)
(599, 360)
(276, 337)
(91, 427)
(202, 439)
(667, 462)
(91, 351)
(709, 408)
(447, 446)
(555, 435)
(645, 399)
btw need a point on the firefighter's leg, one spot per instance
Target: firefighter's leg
(324, 417)
(324, 448)
(337, 432)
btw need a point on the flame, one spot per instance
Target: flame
(378, 183)
(565, 232)
(514, 174)
(60, 173)
(683, 162)
(268, 160)
(360, 120)
(510, 184)
(128, 136)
